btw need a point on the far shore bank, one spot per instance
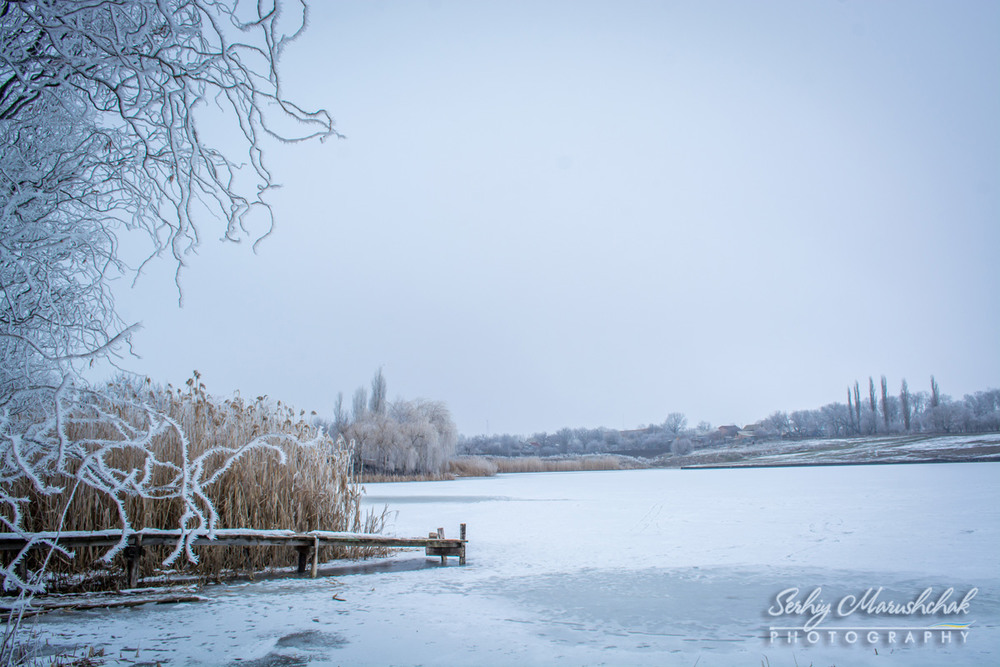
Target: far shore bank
(893, 449)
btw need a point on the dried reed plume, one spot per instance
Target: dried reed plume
(485, 466)
(298, 479)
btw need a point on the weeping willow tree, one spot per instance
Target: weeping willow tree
(99, 103)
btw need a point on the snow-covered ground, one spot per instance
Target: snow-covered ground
(647, 567)
(898, 448)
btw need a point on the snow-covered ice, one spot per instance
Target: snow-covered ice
(645, 567)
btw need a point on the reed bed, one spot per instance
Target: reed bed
(488, 466)
(473, 466)
(506, 464)
(373, 478)
(315, 488)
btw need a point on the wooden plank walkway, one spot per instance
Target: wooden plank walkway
(306, 544)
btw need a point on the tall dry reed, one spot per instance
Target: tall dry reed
(473, 466)
(314, 488)
(514, 464)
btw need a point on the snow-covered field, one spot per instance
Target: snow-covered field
(898, 448)
(648, 567)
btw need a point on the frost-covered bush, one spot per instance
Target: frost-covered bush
(681, 447)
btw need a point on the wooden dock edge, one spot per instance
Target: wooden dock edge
(306, 544)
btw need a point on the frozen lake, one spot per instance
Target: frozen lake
(644, 567)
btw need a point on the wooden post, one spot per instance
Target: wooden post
(303, 558)
(133, 552)
(315, 566)
(444, 559)
(22, 566)
(461, 534)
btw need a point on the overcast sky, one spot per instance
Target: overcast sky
(554, 214)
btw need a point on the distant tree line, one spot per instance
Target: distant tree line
(637, 442)
(866, 413)
(881, 412)
(397, 437)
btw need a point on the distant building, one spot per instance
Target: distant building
(729, 430)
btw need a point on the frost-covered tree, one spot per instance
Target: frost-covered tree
(985, 408)
(850, 410)
(379, 399)
(359, 404)
(886, 412)
(777, 424)
(100, 102)
(857, 407)
(904, 404)
(409, 437)
(340, 419)
(675, 424)
(873, 406)
(834, 420)
(805, 423)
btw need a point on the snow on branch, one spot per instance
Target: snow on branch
(139, 71)
(99, 108)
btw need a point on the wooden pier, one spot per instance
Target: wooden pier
(306, 544)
